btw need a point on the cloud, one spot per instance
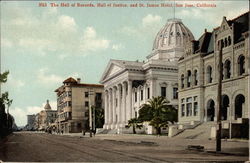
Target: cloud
(149, 24)
(6, 43)
(48, 32)
(117, 47)
(150, 20)
(90, 41)
(44, 77)
(20, 114)
(67, 23)
(14, 82)
(214, 15)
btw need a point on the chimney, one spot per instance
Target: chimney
(78, 80)
(205, 30)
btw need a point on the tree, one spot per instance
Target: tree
(6, 120)
(158, 112)
(99, 117)
(3, 77)
(135, 123)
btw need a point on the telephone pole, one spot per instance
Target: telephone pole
(90, 114)
(218, 127)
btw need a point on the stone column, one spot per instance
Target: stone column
(118, 104)
(106, 110)
(129, 102)
(132, 103)
(110, 108)
(153, 89)
(114, 107)
(123, 103)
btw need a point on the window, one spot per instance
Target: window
(189, 106)
(163, 91)
(241, 65)
(195, 108)
(227, 69)
(135, 96)
(86, 104)
(135, 114)
(175, 93)
(69, 94)
(86, 94)
(229, 40)
(141, 94)
(148, 92)
(188, 78)
(116, 102)
(189, 109)
(69, 103)
(182, 110)
(182, 81)
(87, 114)
(195, 77)
(209, 74)
(222, 44)
(126, 89)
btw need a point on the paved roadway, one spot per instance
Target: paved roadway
(34, 147)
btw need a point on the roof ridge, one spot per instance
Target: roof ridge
(233, 19)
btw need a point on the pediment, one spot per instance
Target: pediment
(224, 25)
(111, 70)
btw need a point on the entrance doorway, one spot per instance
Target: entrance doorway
(225, 105)
(239, 102)
(210, 110)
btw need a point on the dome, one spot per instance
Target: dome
(173, 35)
(47, 106)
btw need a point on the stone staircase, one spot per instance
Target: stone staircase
(202, 131)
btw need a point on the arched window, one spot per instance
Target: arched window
(195, 77)
(225, 42)
(227, 69)
(241, 65)
(222, 43)
(229, 40)
(182, 81)
(188, 78)
(222, 77)
(209, 74)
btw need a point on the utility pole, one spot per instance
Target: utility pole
(218, 128)
(90, 114)
(94, 119)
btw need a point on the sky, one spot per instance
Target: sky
(42, 46)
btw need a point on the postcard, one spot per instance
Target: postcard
(124, 81)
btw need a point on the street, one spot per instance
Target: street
(41, 147)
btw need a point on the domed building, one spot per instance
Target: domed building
(45, 117)
(129, 84)
(170, 41)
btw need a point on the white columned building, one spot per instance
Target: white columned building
(133, 83)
